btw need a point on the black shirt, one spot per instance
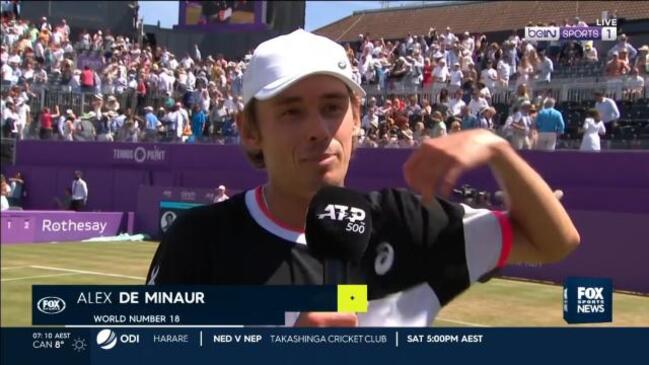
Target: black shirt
(418, 259)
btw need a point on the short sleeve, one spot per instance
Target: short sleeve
(445, 244)
(181, 256)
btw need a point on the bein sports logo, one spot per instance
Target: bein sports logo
(355, 216)
(50, 305)
(106, 339)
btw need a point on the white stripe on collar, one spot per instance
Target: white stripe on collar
(267, 222)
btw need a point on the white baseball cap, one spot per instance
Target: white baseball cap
(282, 61)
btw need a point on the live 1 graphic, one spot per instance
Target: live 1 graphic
(588, 300)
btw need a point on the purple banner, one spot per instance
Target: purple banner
(222, 15)
(57, 226)
(607, 193)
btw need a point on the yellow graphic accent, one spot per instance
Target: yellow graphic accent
(352, 298)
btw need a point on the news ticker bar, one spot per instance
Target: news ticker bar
(158, 346)
(123, 305)
(571, 33)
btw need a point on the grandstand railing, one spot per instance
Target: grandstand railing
(561, 89)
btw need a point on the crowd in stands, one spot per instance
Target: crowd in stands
(144, 94)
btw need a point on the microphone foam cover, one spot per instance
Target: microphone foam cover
(338, 224)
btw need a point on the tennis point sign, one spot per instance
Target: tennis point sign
(140, 155)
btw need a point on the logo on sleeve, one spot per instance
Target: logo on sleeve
(384, 258)
(154, 275)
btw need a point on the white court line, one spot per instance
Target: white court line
(13, 268)
(460, 322)
(86, 272)
(39, 276)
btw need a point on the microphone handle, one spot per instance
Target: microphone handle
(334, 272)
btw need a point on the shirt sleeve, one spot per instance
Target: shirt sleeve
(181, 257)
(445, 244)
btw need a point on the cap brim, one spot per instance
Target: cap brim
(278, 86)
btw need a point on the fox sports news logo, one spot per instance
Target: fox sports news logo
(50, 305)
(355, 217)
(588, 300)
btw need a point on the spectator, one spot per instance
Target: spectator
(522, 95)
(623, 46)
(23, 123)
(590, 52)
(198, 123)
(616, 66)
(468, 121)
(439, 127)
(5, 190)
(440, 72)
(485, 119)
(477, 103)
(489, 76)
(65, 203)
(456, 126)
(10, 118)
(607, 109)
(17, 190)
(525, 71)
(456, 104)
(220, 195)
(370, 120)
(544, 68)
(456, 77)
(152, 125)
(633, 85)
(521, 125)
(46, 122)
(84, 128)
(66, 125)
(87, 79)
(593, 128)
(103, 126)
(642, 61)
(427, 73)
(504, 72)
(550, 125)
(79, 192)
(484, 91)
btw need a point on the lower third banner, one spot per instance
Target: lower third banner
(98, 346)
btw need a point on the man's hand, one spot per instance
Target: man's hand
(438, 163)
(543, 231)
(326, 319)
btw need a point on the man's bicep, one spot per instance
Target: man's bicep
(522, 251)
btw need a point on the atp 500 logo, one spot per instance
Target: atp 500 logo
(50, 305)
(355, 216)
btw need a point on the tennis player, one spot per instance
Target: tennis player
(300, 122)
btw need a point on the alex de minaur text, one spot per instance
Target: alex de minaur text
(159, 297)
